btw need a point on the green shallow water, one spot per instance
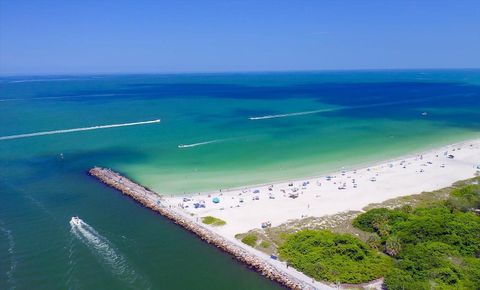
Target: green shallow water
(373, 116)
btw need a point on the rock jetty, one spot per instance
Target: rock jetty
(154, 201)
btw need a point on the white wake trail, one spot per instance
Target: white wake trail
(77, 130)
(105, 251)
(293, 114)
(11, 252)
(335, 109)
(200, 143)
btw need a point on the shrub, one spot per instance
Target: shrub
(372, 219)
(264, 244)
(465, 198)
(213, 221)
(324, 255)
(250, 240)
(436, 247)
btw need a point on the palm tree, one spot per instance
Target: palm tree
(393, 246)
(381, 226)
(374, 241)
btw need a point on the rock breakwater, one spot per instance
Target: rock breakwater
(154, 201)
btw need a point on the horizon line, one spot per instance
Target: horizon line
(6, 75)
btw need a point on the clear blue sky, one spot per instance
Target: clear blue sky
(38, 37)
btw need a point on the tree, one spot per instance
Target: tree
(393, 246)
(374, 241)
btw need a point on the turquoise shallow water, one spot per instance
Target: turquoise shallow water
(368, 116)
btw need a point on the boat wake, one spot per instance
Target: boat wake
(11, 252)
(292, 114)
(200, 144)
(335, 109)
(106, 253)
(77, 130)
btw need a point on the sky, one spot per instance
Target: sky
(141, 36)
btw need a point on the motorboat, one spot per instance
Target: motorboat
(76, 221)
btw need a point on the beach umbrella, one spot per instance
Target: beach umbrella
(216, 200)
(256, 191)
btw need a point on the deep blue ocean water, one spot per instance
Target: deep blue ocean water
(239, 129)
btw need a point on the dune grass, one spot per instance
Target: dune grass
(213, 221)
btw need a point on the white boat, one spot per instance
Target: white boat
(181, 146)
(75, 221)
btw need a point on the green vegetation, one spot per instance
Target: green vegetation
(324, 255)
(213, 221)
(250, 240)
(465, 198)
(435, 247)
(429, 240)
(265, 244)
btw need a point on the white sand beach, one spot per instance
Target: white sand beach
(247, 208)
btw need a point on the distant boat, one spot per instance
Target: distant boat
(424, 113)
(75, 221)
(181, 146)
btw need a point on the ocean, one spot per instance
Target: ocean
(216, 131)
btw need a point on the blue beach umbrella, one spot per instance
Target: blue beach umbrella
(216, 200)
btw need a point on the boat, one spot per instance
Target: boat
(76, 221)
(181, 146)
(424, 113)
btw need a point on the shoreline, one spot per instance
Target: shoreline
(315, 196)
(245, 208)
(358, 166)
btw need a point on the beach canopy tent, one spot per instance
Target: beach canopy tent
(216, 200)
(256, 191)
